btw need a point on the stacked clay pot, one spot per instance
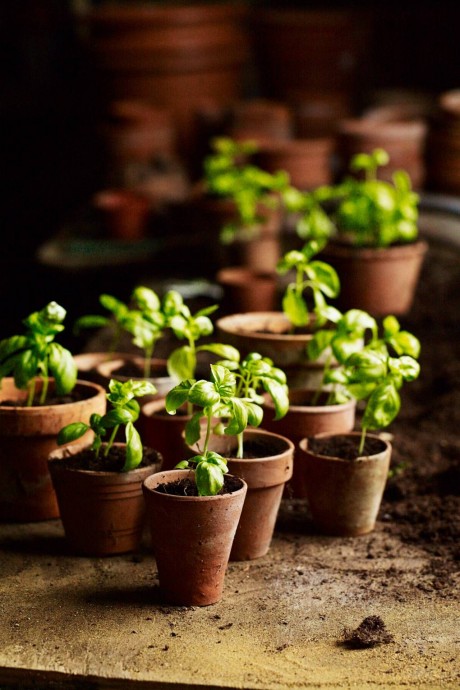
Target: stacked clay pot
(443, 145)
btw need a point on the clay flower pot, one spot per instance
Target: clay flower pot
(246, 290)
(345, 495)
(379, 280)
(27, 437)
(305, 419)
(103, 513)
(269, 333)
(87, 363)
(115, 369)
(307, 161)
(124, 213)
(191, 538)
(164, 431)
(266, 475)
(261, 121)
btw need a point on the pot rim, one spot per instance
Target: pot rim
(303, 445)
(393, 252)
(225, 325)
(98, 389)
(190, 473)
(336, 407)
(56, 457)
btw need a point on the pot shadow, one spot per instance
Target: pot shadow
(294, 517)
(36, 545)
(122, 596)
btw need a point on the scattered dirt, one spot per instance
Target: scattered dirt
(370, 633)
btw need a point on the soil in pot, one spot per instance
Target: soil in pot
(102, 508)
(192, 547)
(344, 494)
(187, 487)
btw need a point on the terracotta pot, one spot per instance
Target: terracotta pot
(403, 140)
(345, 495)
(27, 437)
(443, 145)
(87, 363)
(124, 213)
(103, 513)
(307, 161)
(191, 538)
(269, 334)
(164, 432)
(380, 281)
(171, 55)
(261, 121)
(301, 50)
(159, 374)
(265, 476)
(304, 419)
(317, 114)
(245, 290)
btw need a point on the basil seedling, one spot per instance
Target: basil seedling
(317, 277)
(125, 411)
(36, 354)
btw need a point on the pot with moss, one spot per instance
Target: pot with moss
(39, 393)
(231, 403)
(346, 473)
(99, 485)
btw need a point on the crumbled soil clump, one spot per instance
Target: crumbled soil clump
(371, 632)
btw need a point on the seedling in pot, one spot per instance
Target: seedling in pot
(124, 412)
(316, 277)
(182, 362)
(376, 377)
(232, 397)
(36, 354)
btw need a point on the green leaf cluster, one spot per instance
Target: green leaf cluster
(315, 278)
(125, 412)
(36, 354)
(232, 395)
(372, 366)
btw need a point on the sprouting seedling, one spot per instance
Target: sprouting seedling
(376, 372)
(125, 411)
(36, 354)
(209, 397)
(316, 277)
(145, 321)
(254, 374)
(190, 327)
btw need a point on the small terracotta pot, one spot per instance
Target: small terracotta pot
(307, 161)
(160, 378)
(124, 213)
(265, 476)
(246, 290)
(164, 432)
(87, 363)
(304, 419)
(345, 495)
(268, 332)
(261, 121)
(27, 437)
(191, 538)
(380, 281)
(103, 513)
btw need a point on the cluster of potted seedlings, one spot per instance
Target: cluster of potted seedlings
(207, 458)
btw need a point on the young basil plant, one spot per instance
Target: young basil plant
(125, 411)
(376, 377)
(36, 354)
(316, 277)
(190, 327)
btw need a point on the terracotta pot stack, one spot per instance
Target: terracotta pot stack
(403, 140)
(173, 56)
(443, 146)
(262, 121)
(308, 161)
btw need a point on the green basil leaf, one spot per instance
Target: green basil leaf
(390, 326)
(134, 449)
(320, 341)
(255, 413)
(26, 368)
(295, 308)
(115, 417)
(91, 321)
(344, 346)
(178, 395)
(62, 366)
(239, 417)
(325, 277)
(112, 304)
(356, 320)
(382, 407)
(367, 365)
(203, 393)
(404, 343)
(407, 367)
(146, 299)
(173, 303)
(227, 352)
(279, 395)
(217, 459)
(193, 429)
(209, 478)
(72, 432)
(224, 380)
(182, 363)
(11, 345)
